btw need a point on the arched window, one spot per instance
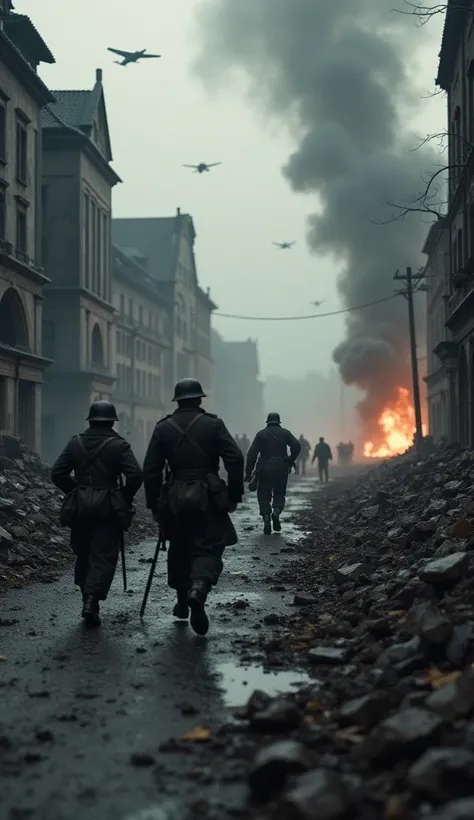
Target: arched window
(97, 346)
(13, 323)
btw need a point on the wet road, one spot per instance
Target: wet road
(75, 704)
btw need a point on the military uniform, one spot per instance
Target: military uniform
(322, 453)
(98, 459)
(272, 445)
(303, 456)
(190, 444)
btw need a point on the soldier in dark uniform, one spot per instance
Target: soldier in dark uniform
(193, 504)
(98, 457)
(302, 459)
(322, 453)
(272, 444)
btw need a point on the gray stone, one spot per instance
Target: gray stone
(281, 715)
(456, 699)
(442, 774)
(365, 711)
(328, 654)
(445, 570)
(426, 620)
(399, 652)
(352, 572)
(304, 599)
(406, 730)
(461, 639)
(273, 764)
(457, 810)
(318, 794)
(411, 592)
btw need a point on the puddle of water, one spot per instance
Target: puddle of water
(233, 596)
(238, 682)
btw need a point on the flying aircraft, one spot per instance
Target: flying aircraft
(318, 304)
(132, 56)
(284, 246)
(203, 166)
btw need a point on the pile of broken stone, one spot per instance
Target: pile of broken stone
(33, 545)
(384, 625)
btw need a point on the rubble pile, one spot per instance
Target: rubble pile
(384, 625)
(33, 546)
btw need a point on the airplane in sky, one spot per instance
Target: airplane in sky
(284, 246)
(318, 304)
(203, 166)
(132, 56)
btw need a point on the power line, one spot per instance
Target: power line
(309, 316)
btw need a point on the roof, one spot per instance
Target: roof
(458, 13)
(123, 264)
(75, 108)
(19, 27)
(434, 233)
(78, 110)
(155, 240)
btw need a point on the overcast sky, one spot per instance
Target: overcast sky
(160, 117)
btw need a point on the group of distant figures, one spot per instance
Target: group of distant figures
(322, 454)
(345, 453)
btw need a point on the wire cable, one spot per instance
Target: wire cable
(309, 316)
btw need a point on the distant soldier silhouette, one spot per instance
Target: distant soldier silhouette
(302, 459)
(323, 454)
(274, 466)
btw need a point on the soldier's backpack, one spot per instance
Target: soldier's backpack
(187, 496)
(87, 503)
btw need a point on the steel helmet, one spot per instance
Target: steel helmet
(273, 418)
(188, 389)
(102, 411)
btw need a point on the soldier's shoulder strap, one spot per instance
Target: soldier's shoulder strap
(165, 418)
(211, 415)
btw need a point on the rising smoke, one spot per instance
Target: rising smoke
(335, 72)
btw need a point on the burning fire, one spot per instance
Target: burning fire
(397, 427)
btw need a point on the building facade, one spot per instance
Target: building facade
(22, 278)
(237, 389)
(164, 249)
(456, 352)
(142, 345)
(437, 377)
(78, 327)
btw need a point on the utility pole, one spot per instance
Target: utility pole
(343, 413)
(407, 280)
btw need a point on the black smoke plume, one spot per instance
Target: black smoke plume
(336, 72)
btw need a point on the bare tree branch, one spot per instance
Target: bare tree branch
(426, 13)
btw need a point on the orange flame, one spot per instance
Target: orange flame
(396, 426)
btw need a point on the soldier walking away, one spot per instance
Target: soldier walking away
(192, 506)
(302, 459)
(97, 506)
(322, 452)
(272, 444)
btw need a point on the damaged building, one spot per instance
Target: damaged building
(164, 248)
(78, 326)
(238, 390)
(452, 325)
(22, 279)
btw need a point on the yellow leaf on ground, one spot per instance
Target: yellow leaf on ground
(438, 679)
(197, 735)
(297, 646)
(314, 706)
(2, 658)
(308, 720)
(398, 613)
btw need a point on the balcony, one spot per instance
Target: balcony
(20, 261)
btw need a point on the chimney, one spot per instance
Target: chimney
(98, 75)
(178, 212)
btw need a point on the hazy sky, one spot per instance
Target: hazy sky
(160, 117)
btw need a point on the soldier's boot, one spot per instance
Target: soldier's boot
(267, 526)
(276, 520)
(90, 611)
(197, 596)
(181, 609)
